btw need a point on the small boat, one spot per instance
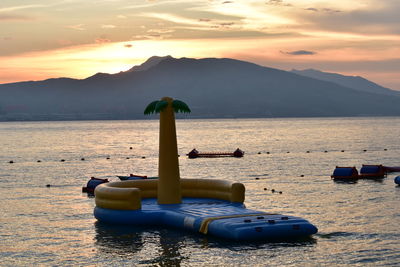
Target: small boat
(372, 171)
(345, 173)
(238, 153)
(134, 177)
(92, 183)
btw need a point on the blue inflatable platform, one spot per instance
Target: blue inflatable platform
(216, 217)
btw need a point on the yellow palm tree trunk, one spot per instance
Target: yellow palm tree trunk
(169, 187)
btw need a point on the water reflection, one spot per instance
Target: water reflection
(128, 241)
(118, 240)
(132, 242)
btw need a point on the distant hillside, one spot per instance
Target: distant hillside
(213, 88)
(354, 82)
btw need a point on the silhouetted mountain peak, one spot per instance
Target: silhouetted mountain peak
(151, 62)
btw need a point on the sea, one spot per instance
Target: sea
(46, 220)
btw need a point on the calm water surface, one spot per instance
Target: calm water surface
(50, 226)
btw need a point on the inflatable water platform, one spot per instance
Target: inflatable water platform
(208, 206)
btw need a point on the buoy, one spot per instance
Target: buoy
(288, 152)
(48, 185)
(302, 175)
(326, 151)
(308, 151)
(127, 157)
(265, 188)
(108, 157)
(143, 157)
(39, 160)
(385, 149)
(273, 190)
(257, 178)
(11, 161)
(342, 150)
(82, 158)
(364, 150)
(268, 152)
(130, 148)
(62, 160)
(280, 192)
(259, 153)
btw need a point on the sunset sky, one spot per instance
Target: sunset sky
(42, 39)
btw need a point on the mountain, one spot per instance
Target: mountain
(354, 82)
(213, 88)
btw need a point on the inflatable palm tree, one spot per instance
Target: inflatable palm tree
(169, 188)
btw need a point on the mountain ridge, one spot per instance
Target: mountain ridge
(213, 88)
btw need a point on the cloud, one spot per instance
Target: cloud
(78, 27)
(13, 8)
(277, 3)
(108, 26)
(299, 53)
(327, 10)
(102, 40)
(9, 17)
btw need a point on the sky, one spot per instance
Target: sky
(41, 39)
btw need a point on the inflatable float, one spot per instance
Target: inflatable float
(238, 153)
(366, 172)
(207, 206)
(345, 173)
(92, 184)
(397, 180)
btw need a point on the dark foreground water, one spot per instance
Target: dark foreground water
(51, 226)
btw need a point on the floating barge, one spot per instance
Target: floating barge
(196, 154)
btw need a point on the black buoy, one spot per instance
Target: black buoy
(365, 150)
(259, 153)
(48, 185)
(342, 150)
(39, 160)
(273, 190)
(308, 151)
(62, 160)
(280, 192)
(257, 178)
(302, 175)
(326, 151)
(108, 158)
(385, 149)
(11, 161)
(82, 158)
(127, 157)
(265, 188)
(130, 148)
(268, 152)
(143, 157)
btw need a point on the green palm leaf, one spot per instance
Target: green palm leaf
(151, 108)
(180, 106)
(161, 105)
